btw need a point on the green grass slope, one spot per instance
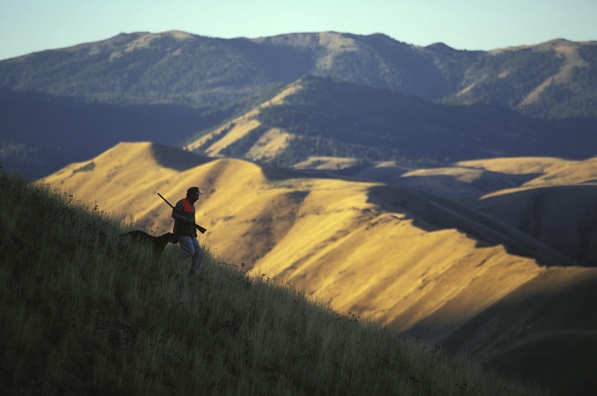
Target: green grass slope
(85, 312)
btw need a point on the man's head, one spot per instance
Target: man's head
(193, 194)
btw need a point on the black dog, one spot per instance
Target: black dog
(158, 243)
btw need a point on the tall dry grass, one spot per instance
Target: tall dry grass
(85, 312)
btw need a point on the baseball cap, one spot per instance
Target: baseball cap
(194, 190)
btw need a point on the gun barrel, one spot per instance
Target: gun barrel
(166, 201)
(197, 226)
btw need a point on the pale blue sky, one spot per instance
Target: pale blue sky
(33, 25)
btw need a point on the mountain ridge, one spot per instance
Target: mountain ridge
(138, 68)
(316, 117)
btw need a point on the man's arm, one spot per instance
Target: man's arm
(177, 213)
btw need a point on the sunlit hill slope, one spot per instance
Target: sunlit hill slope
(89, 311)
(551, 199)
(313, 119)
(404, 258)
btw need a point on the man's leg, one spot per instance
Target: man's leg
(191, 248)
(187, 246)
(197, 256)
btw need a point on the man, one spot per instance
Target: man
(184, 228)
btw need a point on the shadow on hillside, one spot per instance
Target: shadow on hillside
(443, 185)
(542, 332)
(279, 174)
(432, 213)
(446, 182)
(449, 186)
(177, 159)
(48, 132)
(562, 217)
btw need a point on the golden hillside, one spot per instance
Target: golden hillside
(550, 199)
(270, 144)
(135, 323)
(360, 246)
(485, 177)
(404, 258)
(557, 206)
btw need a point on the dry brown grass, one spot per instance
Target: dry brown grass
(81, 312)
(336, 240)
(404, 259)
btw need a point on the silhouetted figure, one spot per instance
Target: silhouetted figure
(184, 227)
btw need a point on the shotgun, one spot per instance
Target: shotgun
(197, 226)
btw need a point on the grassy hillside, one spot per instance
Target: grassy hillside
(84, 311)
(550, 199)
(557, 207)
(405, 259)
(506, 337)
(172, 87)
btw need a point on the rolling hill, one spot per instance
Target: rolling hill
(90, 311)
(556, 79)
(411, 261)
(65, 105)
(557, 207)
(307, 124)
(315, 117)
(41, 133)
(550, 199)
(445, 194)
(548, 80)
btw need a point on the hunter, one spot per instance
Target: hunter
(184, 228)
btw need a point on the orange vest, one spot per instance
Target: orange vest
(184, 229)
(188, 207)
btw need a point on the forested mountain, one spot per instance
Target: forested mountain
(386, 99)
(557, 79)
(320, 117)
(40, 133)
(552, 80)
